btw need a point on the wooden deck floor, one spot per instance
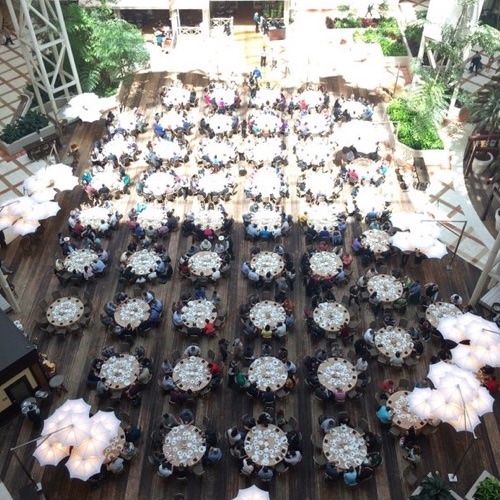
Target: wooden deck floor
(34, 280)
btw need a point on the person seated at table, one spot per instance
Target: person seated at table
(331, 472)
(128, 451)
(327, 424)
(414, 455)
(396, 360)
(384, 415)
(350, 476)
(414, 292)
(339, 395)
(265, 473)
(212, 455)
(268, 397)
(192, 350)
(116, 466)
(253, 231)
(154, 317)
(165, 469)
(247, 466)
(456, 300)
(186, 416)
(362, 364)
(98, 266)
(167, 383)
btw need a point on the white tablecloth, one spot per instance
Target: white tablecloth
(171, 120)
(191, 373)
(325, 263)
(315, 123)
(392, 339)
(266, 97)
(153, 215)
(268, 372)
(336, 373)
(320, 183)
(224, 151)
(221, 124)
(266, 313)
(209, 218)
(109, 179)
(331, 316)
(266, 445)
(196, 312)
(213, 183)
(266, 121)
(266, 218)
(265, 262)
(323, 215)
(344, 447)
(312, 97)
(158, 183)
(93, 216)
(312, 152)
(266, 182)
(168, 150)
(354, 108)
(175, 96)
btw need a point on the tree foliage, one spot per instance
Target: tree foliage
(485, 107)
(106, 49)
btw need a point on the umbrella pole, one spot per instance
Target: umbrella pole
(26, 471)
(452, 476)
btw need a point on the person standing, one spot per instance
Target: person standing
(256, 20)
(475, 63)
(263, 58)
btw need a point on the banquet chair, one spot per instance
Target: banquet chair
(410, 361)
(211, 355)
(56, 294)
(403, 323)
(43, 304)
(281, 468)
(75, 328)
(362, 426)
(198, 470)
(317, 440)
(74, 291)
(320, 460)
(394, 431)
(404, 384)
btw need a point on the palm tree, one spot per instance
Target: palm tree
(485, 107)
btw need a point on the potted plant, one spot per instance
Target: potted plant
(488, 489)
(432, 487)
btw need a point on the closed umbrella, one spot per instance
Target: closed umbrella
(50, 452)
(83, 468)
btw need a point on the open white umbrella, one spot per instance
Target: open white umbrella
(106, 420)
(401, 240)
(445, 375)
(32, 184)
(50, 452)
(407, 220)
(435, 251)
(252, 493)
(85, 100)
(83, 468)
(487, 355)
(466, 357)
(44, 194)
(90, 115)
(471, 327)
(419, 400)
(22, 226)
(47, 209)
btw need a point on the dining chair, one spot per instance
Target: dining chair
(198, 469)
(43, 304)
(74, 291)
(410, 361)
(404, 384)
(211, 355)
(316, 440)
(320, 460)
(56, 294)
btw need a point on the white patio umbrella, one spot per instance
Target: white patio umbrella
(464, 422)
(487, 355)
(90, 115)
(66, 183)
(106, 420)
(435, 251)
(44, 194)
(83, 468)
(407, 220)
(85, 100)
(22, 206)
(47, 209)
(401, 240)
(7, 220)
(50, 452)
(22, 226)
(445, 374)
(252, 493)
(54, 172)
(465, 356)
(471, 327)
(33, 184)
(419, 401)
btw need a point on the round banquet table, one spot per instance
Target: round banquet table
(159, 182)
(171, 120)
(262, 150)
(117, 146)
(184, 445)
(93, 216)
(77, 260)
(203, 263)
(65, 311)
(265, 96)
(266, 182)
(224, 151)
(354, 108)
(267, 121)
(126, 120)
(315, 123)
(267, 312)
(143, 262)
(331, 316)
(132, 312)
(192, 373)
(267, 262)
(196, 312)
(376, 240)
(320, 182)
(314, 151)
(115, 446)
(336, 373)
(392, 339)
(222, 94)
(266, 445)
(387, 287)
(266, 218)
(220, 124)
(110, 179)
(402, 416)
(344, 447)
(268, 372)
(312, 97)
(213, 183)
(441, 310)
(325, 263)
(119, 372)
(168, 150)
(153, 215)
(176, 95)
(214, 219)
(323, 215)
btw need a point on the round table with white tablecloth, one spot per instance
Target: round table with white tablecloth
(159, 182)
(119, 372)
(435, 312)
(331, 316)
(203, 263)
(224, 151)
(114, 447)
(153, 215)
(262, 150)
(334, 373)
(320, 183)
(109, 179)
(265, 122)
(344, 447)
(387, 287)
(220, 124)
(266, 445)
(267, 262)
(266, 313)
(176, 96)
(192, 374)
(392, 339)
(268, 372)
(168, 150)
(213, 183)
(184, 445)
(65, 311)
(266, 182)
(354, 108)
(171, 120)
(316, 124)
(79, 259)
(323, 215)
(227, 96)
(93, 216)
(314, 151)
(376, 240)
(214, 219)
(325, 263)
(266, 218)
(401, 414)
(117, 146)
(126, 120)
(312, 97)
(196, 313)
(132, 312)
(266, 96)
(143, 262)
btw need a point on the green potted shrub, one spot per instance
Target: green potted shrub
(488, 489)
(432, 487)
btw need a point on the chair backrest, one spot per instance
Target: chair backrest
(211, 355)
(43, 305)
(56, 294)
(404, 384)
(292, 422)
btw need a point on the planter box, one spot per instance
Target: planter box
(19, 145)
(419, 489)
(430, 156)
(470, 494)
(276, 34)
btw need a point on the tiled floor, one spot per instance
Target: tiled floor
(446, 195)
